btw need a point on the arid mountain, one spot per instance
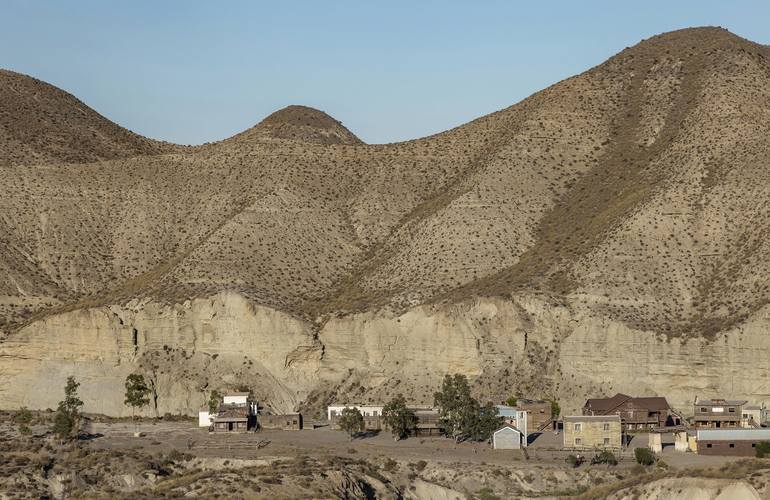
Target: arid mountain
(41, 124)
(631, 198)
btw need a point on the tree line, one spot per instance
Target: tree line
(461, 416)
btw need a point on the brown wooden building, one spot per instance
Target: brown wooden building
(635, 413)
(718, 413)
(233, 418)
(538, 413)
(287, 422)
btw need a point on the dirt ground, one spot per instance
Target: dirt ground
(543, 450)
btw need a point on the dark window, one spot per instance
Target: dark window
(708, 445)
(731, 410)
(703, 409)
(732, 445)
(753, 445)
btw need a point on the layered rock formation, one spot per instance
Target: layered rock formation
(606, 234)
(523, 345)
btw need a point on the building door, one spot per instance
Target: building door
(229, 426)
(719, 424)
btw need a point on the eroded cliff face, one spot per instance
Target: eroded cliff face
(523, 345)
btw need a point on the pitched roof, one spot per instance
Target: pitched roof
(507, 426)
(584, 418)
(606, 404)
(609, 404)
(232, 411)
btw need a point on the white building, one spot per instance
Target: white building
(230, 399)
(236, 398)
(516, 418)
(508, 437)
(368, 410)
(204, 420)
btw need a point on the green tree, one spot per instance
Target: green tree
(486, 423)
(555, 409)
(67, 419)
(137, 393)
(512, 400)
(351, 421)
(644, 456)
(605, 457)
(214, 401)
(399, 418)
(458, 410)
(763, 449)
(23, 418)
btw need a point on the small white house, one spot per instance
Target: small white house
(507, 437)
(516, 418)
(335, 410)
(204, 420)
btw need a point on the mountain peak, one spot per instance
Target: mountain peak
(301, 123)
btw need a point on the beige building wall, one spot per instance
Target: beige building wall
(592, 434)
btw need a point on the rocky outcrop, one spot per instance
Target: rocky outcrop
(525, 345)
(690, 489)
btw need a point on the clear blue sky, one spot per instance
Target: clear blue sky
(192, 72)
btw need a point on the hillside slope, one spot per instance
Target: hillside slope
(636, 193)
(40, 123)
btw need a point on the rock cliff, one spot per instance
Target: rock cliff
(524, 344)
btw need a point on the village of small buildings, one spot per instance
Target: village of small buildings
(520, 447)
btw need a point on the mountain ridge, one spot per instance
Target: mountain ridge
(679, 60)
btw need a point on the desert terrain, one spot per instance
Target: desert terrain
(175, 459)
(607, 234)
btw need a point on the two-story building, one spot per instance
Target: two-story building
(538, 411)
(718, 413)
(589, 432)
(635, 413)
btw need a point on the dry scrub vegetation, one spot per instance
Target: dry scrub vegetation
(638, 188)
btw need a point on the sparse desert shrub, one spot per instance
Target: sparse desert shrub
(763, 449)
(644, 456)
(390, 465)
(486, 494)
(605, 457)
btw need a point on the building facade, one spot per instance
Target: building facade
(718, 413)
(635, 413)
(538, 411)
(589, 432)
(515, 417)
(286, 422)
(236, 414)
(508, 437)
(730, 442)
(752, 416)
(367, 410)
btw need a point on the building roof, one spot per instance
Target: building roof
(720, 402)
(609, 404)
(356, 405)
(229, 411)
(592, 418)
(506, 427)
(524, 401)
(752, 407)
(231, 394)
(732, 434)
(507, 411)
